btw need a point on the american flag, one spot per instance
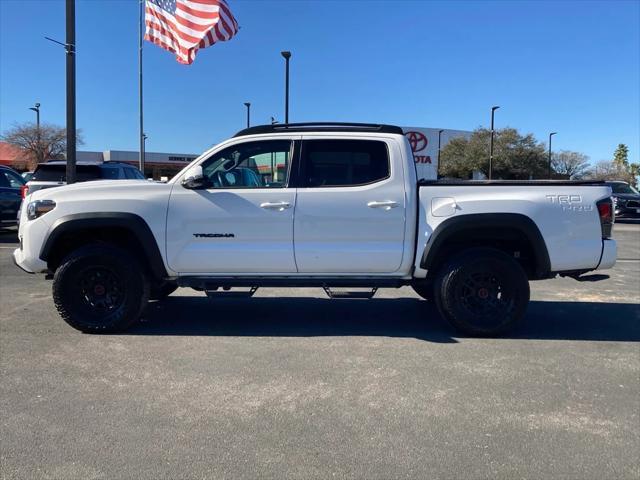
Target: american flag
(184, 26)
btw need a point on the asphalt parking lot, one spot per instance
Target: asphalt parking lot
(289, 384)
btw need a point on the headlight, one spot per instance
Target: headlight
(39, 208)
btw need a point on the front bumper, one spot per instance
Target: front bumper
(29, 265)
(31, 235)
(15, 262)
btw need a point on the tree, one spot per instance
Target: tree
(604, 170)
(573, 165)
(609, 170)
(39, 145)
(515, 156)
(619, 168)
(621, 157)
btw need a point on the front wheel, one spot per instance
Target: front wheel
(100, 289)
(482, 292)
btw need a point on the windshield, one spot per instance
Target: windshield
(622, 188)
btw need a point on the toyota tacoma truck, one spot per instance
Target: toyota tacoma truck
(328, 205)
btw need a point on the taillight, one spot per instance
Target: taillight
(605, 210)
(24, 191)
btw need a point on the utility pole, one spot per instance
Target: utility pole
(70, 46)
(493, 110)
(550, 135)
(438, 166)
(248, 105)
(286, 56)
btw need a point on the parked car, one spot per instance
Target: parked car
(10, 196)
(626, 199)
(27, 176)
(348, 212)
(54, 174)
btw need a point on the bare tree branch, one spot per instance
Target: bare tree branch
(47, 143)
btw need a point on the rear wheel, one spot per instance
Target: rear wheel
(482, 292)
(100, 289)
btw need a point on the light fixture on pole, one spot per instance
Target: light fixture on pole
(286, 55)
(493, 111)
(248, 105)
(550, 135)
(37, 110)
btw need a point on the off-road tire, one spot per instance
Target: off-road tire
(482, 292)
(100, 289)
(162, 290)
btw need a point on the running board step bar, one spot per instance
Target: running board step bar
(365, 295)
(227, 293)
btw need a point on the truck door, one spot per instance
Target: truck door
(350, 207)
(242, 222)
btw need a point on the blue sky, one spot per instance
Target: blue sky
(571, 67)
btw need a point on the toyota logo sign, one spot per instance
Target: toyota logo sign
(417, 140)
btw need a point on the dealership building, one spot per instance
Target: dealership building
(424, 143)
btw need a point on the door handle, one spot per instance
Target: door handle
(280, 206)
(386, 205)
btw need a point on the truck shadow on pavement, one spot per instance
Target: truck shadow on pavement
(401, 317)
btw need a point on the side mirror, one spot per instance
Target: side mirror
(194, 178)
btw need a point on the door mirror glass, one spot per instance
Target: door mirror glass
(194, 178)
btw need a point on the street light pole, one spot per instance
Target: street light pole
(550, 135)
(71, 89)
(37, 110)
(438, 166)
(493, 111)
(248, 105)
(286, 56)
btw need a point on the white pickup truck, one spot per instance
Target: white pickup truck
(336, 206)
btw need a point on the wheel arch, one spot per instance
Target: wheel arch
(127, 230)
(505, 231)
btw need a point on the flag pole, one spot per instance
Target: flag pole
(140, 37)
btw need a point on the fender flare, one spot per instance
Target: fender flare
(86, 221)
(514, 221)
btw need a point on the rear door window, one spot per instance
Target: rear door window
(343, 163)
